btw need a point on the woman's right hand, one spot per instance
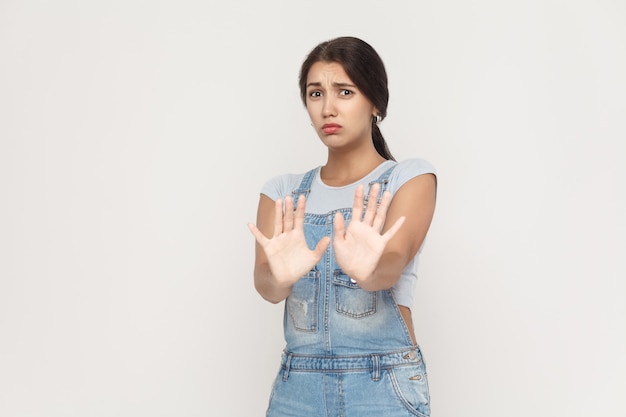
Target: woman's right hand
(286, 252)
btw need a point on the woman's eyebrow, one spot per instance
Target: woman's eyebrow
(340, 85)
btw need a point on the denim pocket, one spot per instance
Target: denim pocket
(410, 384)
(303, 300)
(350, 299)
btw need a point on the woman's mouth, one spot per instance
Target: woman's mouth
(331, 128)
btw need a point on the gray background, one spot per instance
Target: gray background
(135, 136)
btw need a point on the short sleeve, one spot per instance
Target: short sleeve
(407, 170)
(281, 186)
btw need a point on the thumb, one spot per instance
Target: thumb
(393, 229)
(258, 235)
(321, 246)
(340, 225)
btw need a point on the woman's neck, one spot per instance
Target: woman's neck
(344, 169)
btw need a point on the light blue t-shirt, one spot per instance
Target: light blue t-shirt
(324, 198)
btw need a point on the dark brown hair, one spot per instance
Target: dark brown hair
(366, 70)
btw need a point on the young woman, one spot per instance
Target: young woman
(340, 245)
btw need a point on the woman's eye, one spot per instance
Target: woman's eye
(314, 94)
(345, 92)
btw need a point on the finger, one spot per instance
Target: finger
(258, 235)
(393, 229)
(321, 247)
(381, 212)
(372, 204)
(299, 215)
(339, 225)
(357, 206)
(278, 217)
(288, 219)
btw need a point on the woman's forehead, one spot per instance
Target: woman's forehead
(327, 71)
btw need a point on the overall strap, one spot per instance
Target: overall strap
(305, 186)
(383, 180)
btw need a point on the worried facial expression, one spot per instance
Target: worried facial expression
(341, 114)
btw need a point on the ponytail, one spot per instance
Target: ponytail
(379, 142)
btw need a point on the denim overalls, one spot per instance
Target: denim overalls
(349, 352)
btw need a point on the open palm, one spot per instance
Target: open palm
(287, 252)
(358, 247)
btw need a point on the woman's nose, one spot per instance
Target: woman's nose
(329, 107)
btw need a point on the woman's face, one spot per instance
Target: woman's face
(341, 114)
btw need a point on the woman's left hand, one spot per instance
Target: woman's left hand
(358, 247)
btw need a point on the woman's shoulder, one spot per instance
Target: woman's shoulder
(408, 169)
(282, 185)
(415, 166)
